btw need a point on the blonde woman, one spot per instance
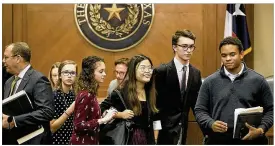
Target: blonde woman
(53, 75)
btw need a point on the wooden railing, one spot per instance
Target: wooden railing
(269, 134)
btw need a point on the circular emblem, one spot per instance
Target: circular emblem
(114, 27)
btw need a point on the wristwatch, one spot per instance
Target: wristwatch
(10, 119)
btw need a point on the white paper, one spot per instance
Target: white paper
(157, 125)
(238, 111)
(111, 109)
(30, 136)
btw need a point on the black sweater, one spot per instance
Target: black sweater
(219, 96)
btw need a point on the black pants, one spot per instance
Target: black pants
(166, 137)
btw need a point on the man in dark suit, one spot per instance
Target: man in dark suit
(16, 59)
(177, 85)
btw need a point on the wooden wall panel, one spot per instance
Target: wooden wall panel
(194, 134)
(6, 25)
(19, 32)
(209, 40)
(220, 30)
(249, 58)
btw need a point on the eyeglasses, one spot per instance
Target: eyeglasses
(119, 73)
(186, 46)
(146, 69)
(67, 73)
(6, 57)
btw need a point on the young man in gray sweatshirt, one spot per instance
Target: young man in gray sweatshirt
(233, 86)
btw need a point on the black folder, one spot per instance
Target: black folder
(17, 104)
(253, 119)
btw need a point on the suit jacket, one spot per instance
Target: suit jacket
(38, 88)
(5, 77)
(173, 107)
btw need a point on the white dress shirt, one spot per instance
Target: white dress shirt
(21, 75)
(233, 76)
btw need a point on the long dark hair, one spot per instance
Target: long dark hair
(86, 79)
(130, 88)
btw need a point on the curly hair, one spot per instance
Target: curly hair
(86, 79)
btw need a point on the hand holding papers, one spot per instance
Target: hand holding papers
(252, 116)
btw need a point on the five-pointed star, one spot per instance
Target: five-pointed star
(114, 12)
(238, 11)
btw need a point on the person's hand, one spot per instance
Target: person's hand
(253, 132)
(219, 126)
(5, 123)
(109, 116)
(70, 110)
(127, 114)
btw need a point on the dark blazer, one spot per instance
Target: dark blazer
(5, 77)
(38, 88)
(173, 108)
(114, 101)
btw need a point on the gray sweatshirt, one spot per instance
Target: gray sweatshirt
(219, 97)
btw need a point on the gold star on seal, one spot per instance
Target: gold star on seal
(114, 12)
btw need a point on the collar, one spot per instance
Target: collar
(244, 69)
(230, 74)
(178, 64)
(23, 72)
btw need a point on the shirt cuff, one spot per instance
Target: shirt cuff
(157, 125)
(14, 122)
(210, 124)
(263, 127)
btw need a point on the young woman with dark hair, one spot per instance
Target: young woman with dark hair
(138, 92)
(87, 114)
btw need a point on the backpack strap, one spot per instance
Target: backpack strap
(118, 93)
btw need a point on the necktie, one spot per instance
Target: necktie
(183, 80)
(13, 85)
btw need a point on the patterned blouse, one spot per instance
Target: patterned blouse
(86, 126)
(62, 101)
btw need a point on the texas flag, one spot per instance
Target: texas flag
(236, 25)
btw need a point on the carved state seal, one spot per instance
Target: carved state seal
(114, 27)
